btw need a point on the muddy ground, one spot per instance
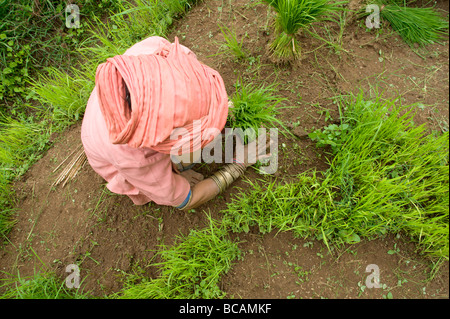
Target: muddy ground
(84, 222)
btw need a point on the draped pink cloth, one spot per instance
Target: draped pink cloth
(170, 89)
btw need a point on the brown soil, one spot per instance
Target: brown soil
(84, 222)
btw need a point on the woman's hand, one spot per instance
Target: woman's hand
(253, 152)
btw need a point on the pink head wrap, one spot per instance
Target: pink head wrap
(169, 90)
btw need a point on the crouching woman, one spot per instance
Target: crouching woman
(139, 99)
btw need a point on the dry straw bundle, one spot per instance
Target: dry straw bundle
(72, 169)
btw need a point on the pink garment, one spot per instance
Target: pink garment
(169, 89)
(141, 173)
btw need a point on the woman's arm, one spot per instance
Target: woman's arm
(202, 192)
(207, 189)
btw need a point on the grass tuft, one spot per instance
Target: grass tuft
(66, 94)
(232, 46)
(192, 268)
(40, 286)
(255, 107)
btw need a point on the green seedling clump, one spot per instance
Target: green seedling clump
(292, 17)
(386, 176)
(192, 268)
(421, 26)
(255, 107)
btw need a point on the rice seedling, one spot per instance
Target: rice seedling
(415, 25)
(386, 176)
(292, 17)
(44, 285)
(143, 18)
(191, 268)
(254, 107)
(231, 46)
(333, 39)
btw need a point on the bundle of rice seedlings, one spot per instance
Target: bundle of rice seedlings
(292, 16)
(415, 25)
